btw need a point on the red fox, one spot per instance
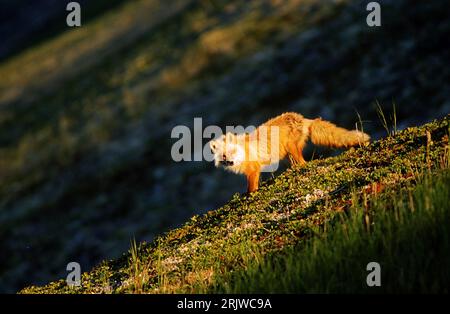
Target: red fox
(249, 153)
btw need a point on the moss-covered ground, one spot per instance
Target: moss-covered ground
(288, 211)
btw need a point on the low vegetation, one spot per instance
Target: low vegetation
(404, 230)
(313, 224)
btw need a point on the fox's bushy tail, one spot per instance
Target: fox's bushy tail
(325, 133)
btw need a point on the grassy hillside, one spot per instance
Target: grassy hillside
(86, 114)
(404, 230)
(225, 249)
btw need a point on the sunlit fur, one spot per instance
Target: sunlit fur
(283, 135)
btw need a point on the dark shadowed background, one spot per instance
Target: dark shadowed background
(86, 114)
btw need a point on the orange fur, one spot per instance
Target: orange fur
(249, 153)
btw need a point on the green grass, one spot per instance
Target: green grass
(299, 212)
(406, 232)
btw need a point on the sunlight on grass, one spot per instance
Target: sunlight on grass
(408, 237)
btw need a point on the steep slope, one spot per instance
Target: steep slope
(86, 117)
(286, 211)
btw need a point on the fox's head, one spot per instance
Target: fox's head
(227, 151)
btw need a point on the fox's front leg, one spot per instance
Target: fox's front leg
(253, 180)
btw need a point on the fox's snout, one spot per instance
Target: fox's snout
(226, 163)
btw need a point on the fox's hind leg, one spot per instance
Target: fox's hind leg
(295, 152)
